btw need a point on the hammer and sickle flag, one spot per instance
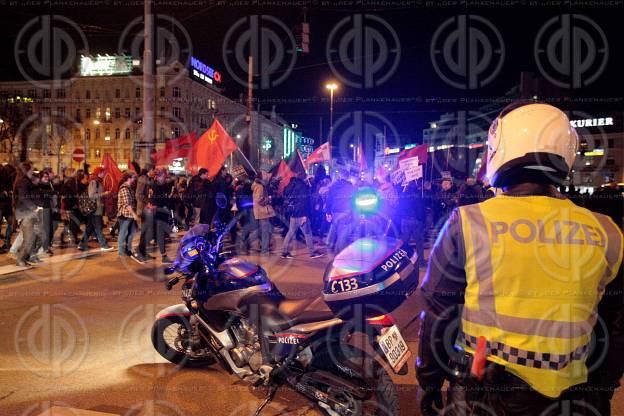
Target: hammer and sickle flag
(211, 149)
(112, 173)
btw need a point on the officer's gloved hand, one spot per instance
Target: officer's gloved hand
(431, 403)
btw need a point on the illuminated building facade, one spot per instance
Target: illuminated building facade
(100, 111)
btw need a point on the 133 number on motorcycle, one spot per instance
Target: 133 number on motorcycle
(344, 285)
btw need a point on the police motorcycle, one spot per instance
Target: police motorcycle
(233, 315)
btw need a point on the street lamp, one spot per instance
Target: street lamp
(331, 87)
(352, 146)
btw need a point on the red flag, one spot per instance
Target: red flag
(211, 149)
(113, 174)
(319, 155)
(174, 149)
(361, 159)
(418, 151)
(287, 169)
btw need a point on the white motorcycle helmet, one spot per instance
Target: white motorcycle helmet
(530, 142)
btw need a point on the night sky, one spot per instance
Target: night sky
(412, 95)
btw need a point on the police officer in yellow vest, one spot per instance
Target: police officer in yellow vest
(527, 282)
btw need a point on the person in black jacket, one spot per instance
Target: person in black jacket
(7, 178)
(27, 211)
(339, 212)
(70, 192)
(297, 203)
(471, 192)
(49, 199)
(193, 190)
(412, 211)
(161, 192)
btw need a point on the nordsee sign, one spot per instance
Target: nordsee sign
(592, 122)
(204, 72)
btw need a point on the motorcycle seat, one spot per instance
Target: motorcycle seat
(302, 311)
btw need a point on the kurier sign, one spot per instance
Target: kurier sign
(203, 72)
(592, 122)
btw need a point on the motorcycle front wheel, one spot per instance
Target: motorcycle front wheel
(171, 338)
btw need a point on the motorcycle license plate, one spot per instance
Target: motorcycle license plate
(394, 348)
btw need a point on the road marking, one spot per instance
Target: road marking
(70, 411)
(11, 268)
(61, 258)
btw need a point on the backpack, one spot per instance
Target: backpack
(86, 205)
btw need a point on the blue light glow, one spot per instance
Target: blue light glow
(366, 201)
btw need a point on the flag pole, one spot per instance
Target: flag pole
(246, 160)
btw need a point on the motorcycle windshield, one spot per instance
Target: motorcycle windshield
(362, 256)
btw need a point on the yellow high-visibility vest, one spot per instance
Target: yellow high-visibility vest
(536, 268)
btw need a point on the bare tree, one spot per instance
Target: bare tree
(12, 119)
(57, 132)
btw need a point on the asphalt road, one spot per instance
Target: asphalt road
(77, 334)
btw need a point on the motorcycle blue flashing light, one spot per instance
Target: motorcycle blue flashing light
(366, 201)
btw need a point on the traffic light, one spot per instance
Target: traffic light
(302, 37)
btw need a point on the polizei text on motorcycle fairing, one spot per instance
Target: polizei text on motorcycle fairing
(393, 260)
(291, 339)
(288, 340)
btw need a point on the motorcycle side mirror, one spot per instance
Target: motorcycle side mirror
(170, 270)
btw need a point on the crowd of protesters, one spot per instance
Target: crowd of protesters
(155, 203)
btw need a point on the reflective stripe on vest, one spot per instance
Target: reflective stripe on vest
(533, 359)
(565, 255)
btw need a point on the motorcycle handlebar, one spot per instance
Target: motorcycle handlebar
(226, 230)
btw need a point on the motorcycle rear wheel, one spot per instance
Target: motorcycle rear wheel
(170, 339)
